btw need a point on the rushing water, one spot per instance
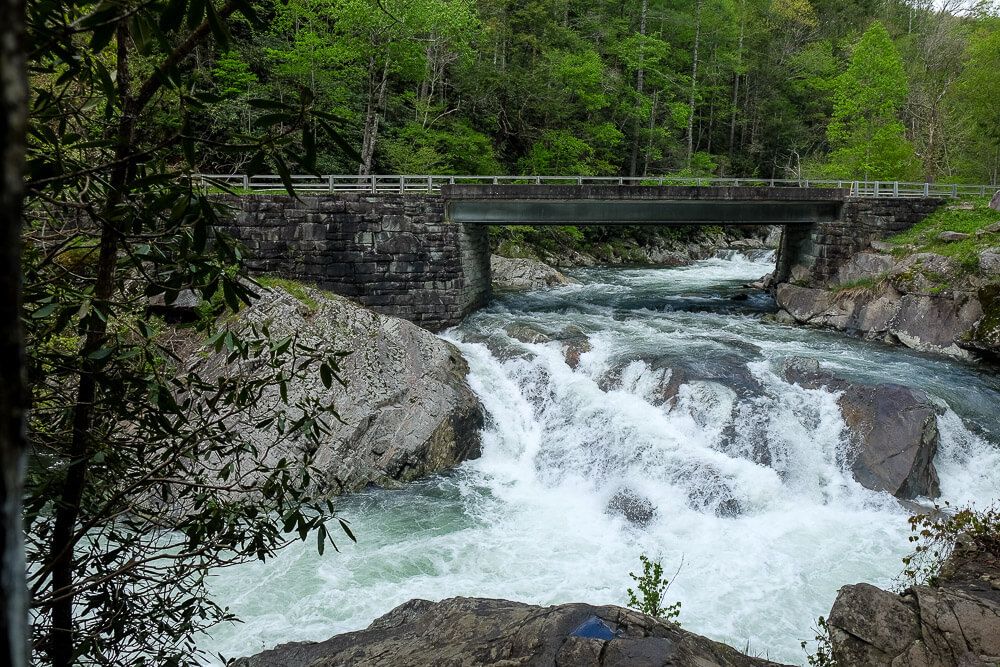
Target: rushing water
(746, 472)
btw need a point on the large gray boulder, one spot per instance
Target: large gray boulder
(995, 202)
(406, 410)
(473, 632)
(953, 623)
(524, 274)
(893, 427)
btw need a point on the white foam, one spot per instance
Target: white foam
(752, 492)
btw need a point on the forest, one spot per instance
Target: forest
(860, 89)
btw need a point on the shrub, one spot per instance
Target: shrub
(652, 589)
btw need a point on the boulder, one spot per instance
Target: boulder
(984, 337)
(633, 507)
(952, 236)
(989, 262)
(864, 265)
(953, 623)
(524, 274)
(995, 202)
(470, 632)
(406, 410)
(893, 427)
(804, 304)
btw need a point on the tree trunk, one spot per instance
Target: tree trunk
(640, 75)
(736, 85)
(13, 392)
(376, 101)
(62, 644)
(694, 82)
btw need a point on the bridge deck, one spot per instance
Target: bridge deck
(641, 205)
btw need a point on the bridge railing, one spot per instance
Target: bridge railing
(431, 184)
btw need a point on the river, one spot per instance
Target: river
(754, 509)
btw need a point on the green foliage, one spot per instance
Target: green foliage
(865, 132)
(823, 656)
(296, 289)
(653, 587)
(139, 484)
(923, 237)
(936, 534)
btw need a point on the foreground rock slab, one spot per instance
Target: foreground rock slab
(406, 411)
(954, 623)
(524, 274)
(470, 632)
(894, 428)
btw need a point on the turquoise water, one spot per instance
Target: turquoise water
(747, 472)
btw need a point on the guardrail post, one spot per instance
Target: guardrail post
(329, 183)
(579, 180)
(430, 184)
(954, 191)
(246, 181)
(895, 188)
(373, 183)
(927, 189)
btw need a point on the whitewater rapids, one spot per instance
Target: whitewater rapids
(754, 501)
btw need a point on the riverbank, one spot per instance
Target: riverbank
(627, 245)
(933, 288)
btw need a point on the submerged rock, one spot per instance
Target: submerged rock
(894, 428)
(954, 623)
(524, 274)
(406, 410)
(633, 507)
(470, 632)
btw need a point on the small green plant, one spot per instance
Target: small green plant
(823, 657)
(936, 533)
(296, 289)
(652, 589)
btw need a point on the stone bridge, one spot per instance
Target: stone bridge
(425, 257)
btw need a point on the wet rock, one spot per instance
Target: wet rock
(524, 274)
(894, 428)
(995, 202)
(952, 236)
(526, 333)
(954, 623)
(633, 507)
(574, 349)
(708, 491)
(407, 410)
(469, 632)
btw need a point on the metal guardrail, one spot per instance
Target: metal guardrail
(429, 184)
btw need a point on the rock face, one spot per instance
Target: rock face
(894, 428)
(406, 411)
(470, 632)
(896, 301)
(955, 623)
(524, 274)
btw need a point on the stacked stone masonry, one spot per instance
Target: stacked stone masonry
(395, 254)
(399, 255)
(814, 254)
